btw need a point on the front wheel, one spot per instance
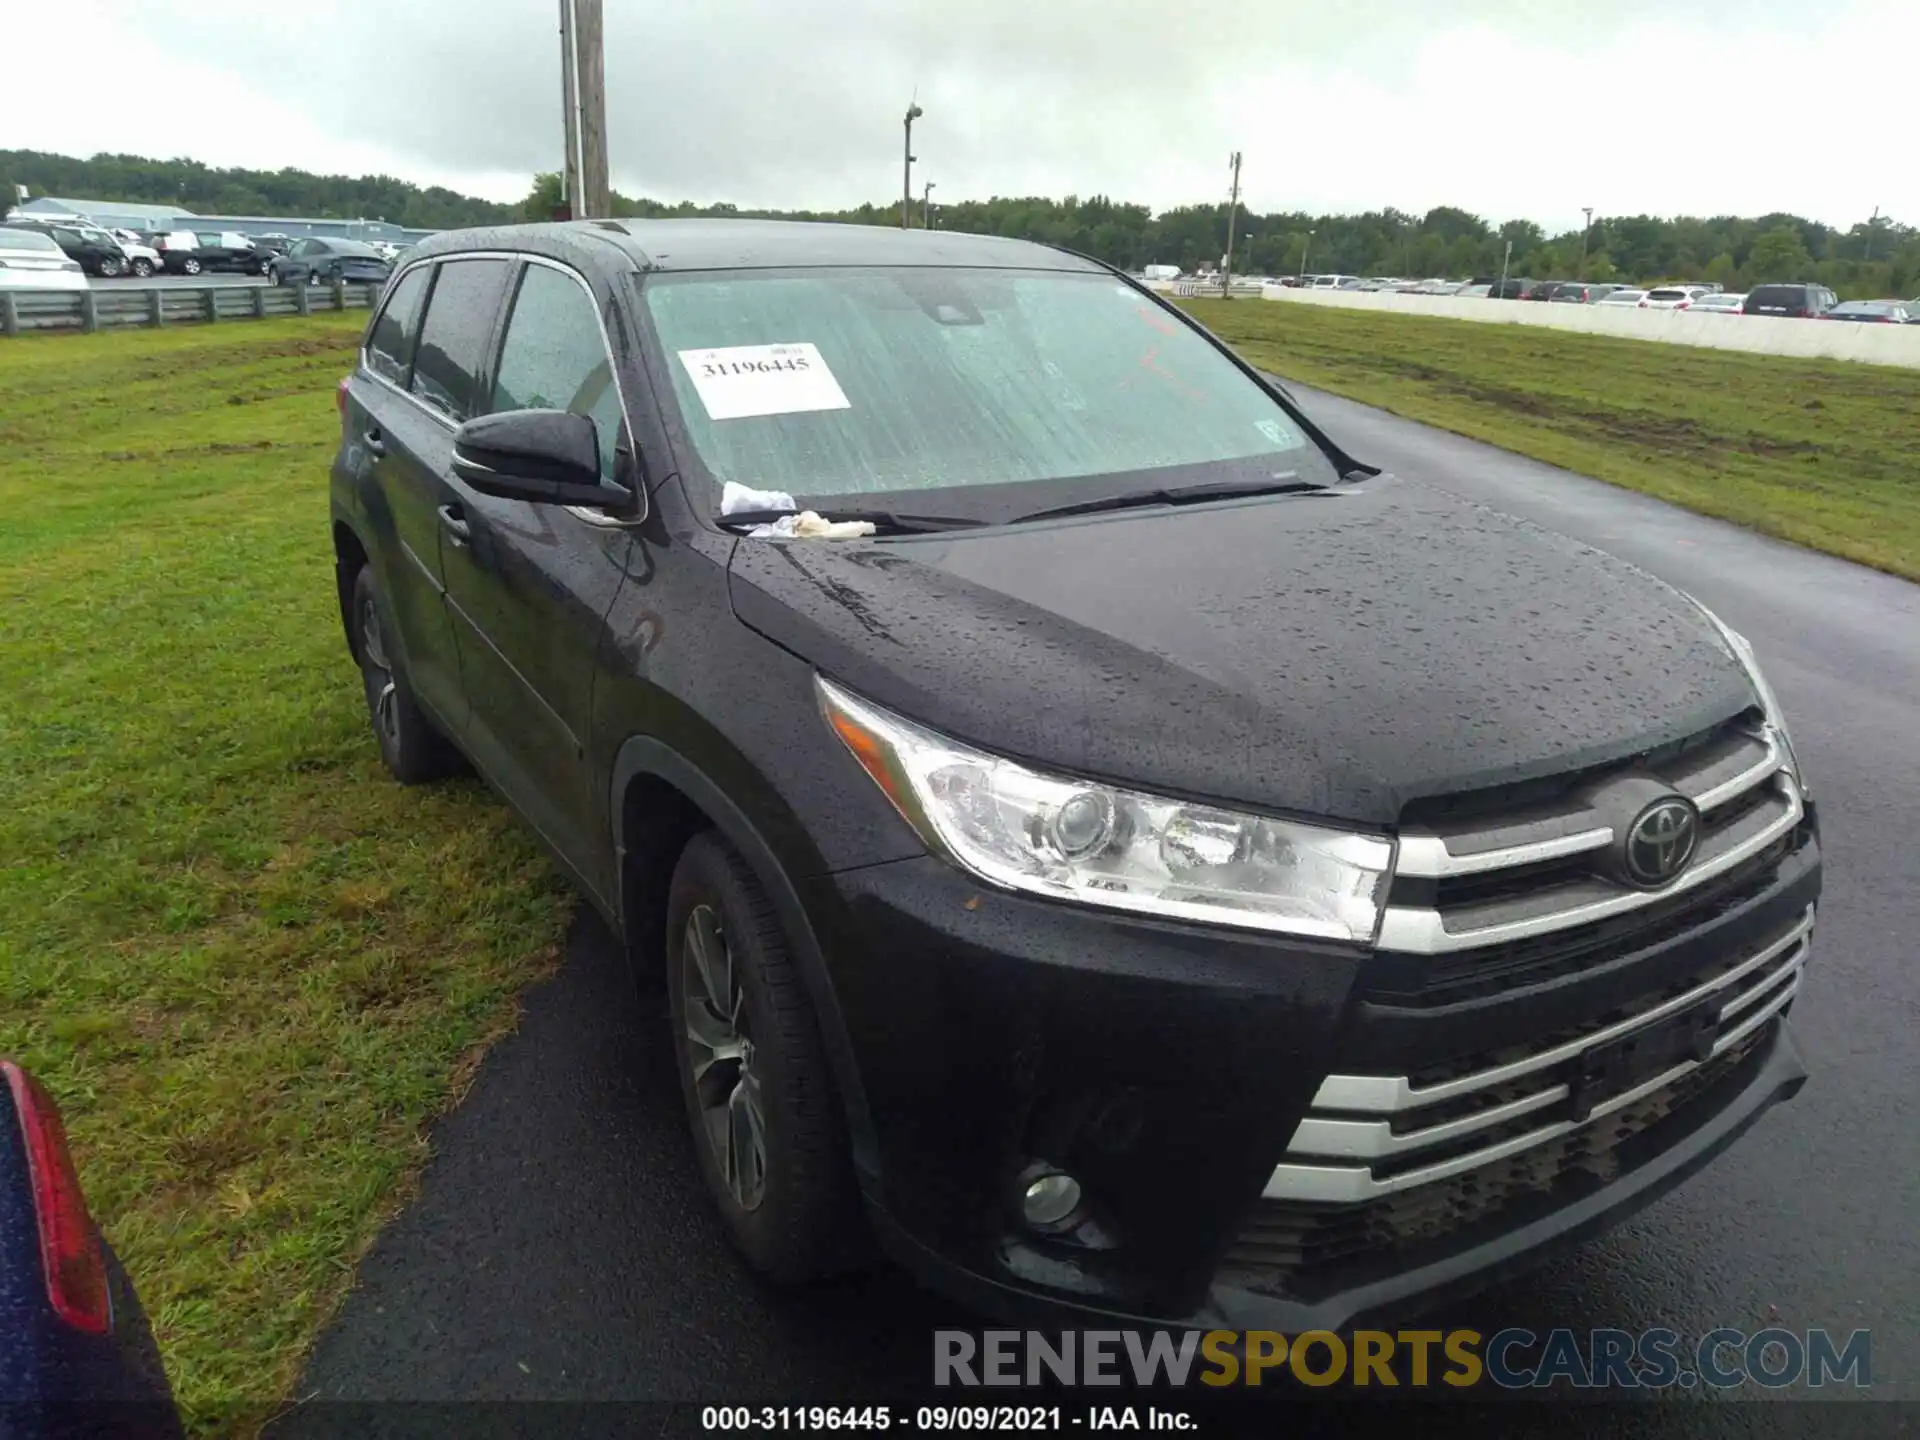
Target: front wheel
(109, 269)
(414, 752)
(766, 1118)
(143, 269)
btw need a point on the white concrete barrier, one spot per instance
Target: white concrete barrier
(1757, 334)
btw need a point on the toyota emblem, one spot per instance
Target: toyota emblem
(1661, 841)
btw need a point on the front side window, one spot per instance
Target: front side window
(861, 381)
(390, 342)
(554, 358)
(453, 339)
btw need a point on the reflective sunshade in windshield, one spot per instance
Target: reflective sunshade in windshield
(850, 382)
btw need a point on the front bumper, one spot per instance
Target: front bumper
(1168, 1067)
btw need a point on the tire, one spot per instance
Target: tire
(802, 1220)
(142, 268)
(313, 278)
(413, 750)
(190, 266)
(110, 269)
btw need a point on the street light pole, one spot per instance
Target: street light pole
(926, 205)
(1505, 260)
(1305, 245)
(570, 104)
(1586, 230)
(914, 112)
(1233, 211)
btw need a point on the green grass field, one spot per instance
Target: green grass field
(1822, 453)
(250, 967)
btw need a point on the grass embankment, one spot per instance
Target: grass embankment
(1822, 453)
(250, 966)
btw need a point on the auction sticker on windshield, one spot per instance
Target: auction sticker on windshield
(746, 380)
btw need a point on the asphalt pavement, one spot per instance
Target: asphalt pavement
(560, 1247)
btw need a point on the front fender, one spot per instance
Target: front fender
(644, 756)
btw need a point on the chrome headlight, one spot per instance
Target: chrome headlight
(1742, 649)
(1101, 845)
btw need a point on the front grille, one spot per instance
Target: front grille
(1301, 1251)
(1367, 1136)
(1485, 889)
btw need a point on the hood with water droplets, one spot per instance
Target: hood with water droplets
(1328, 655)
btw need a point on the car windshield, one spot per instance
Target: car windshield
(857, 382)
(27, 240)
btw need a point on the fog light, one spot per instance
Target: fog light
(1050, 1199)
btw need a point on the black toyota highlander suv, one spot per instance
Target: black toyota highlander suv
(1168, 870)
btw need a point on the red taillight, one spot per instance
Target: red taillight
(70, 1251)
(340, 395)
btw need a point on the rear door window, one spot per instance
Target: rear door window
(453, 338)
(390, 344)
(554, 357)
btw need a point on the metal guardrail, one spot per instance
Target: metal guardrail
(145, 307)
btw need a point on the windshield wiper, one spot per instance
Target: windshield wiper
(1286, 483)
(896, 521)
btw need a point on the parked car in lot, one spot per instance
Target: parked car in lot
(1871, 312)
(1626, 296)
(1512, 288)
(1478, 291)
(321, 262)
(1573, 292)
(189, 252)
(1357, 986)
(77, 1356)
(1672, 297)
(94, 250)
(29, 260)
(1543, 289)
(1719, 304)
(143, 259)
(1799, 301)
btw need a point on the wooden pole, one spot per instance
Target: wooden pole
(590, 53)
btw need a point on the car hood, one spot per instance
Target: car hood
(1337, 654)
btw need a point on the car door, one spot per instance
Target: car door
(529, 586)
(315, 257)
(406, 434)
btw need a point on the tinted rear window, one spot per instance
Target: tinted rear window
(1666, 294)
(1778, 295)
(390, 345)
(26, 240)
(453, 339)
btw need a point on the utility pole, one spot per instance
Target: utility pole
(570, 107)
(1233, 211)
(1305, 245)
(1585, 230)
(926, 206)
(914, 112)
(1872, 221)
(590, 56)
(1505, 260)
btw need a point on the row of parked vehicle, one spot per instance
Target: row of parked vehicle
(1799, 300)
(283, 260)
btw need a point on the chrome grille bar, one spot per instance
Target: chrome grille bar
(1763, 984)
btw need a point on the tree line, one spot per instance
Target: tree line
(1871, 258)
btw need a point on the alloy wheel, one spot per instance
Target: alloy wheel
(373, 655)
(720, 1052)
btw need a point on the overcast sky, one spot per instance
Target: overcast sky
(1507, 107)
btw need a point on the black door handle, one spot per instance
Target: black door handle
(455, 524)
(375, 445)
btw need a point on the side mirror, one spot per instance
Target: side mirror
(545, 457)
